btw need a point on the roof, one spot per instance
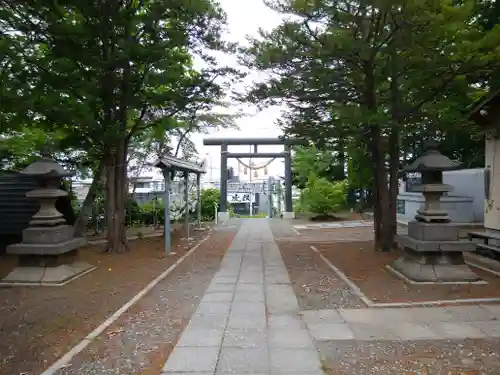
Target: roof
(175, 164)
(485, 103)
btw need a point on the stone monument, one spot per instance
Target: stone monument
(432, 249)
(48, 253)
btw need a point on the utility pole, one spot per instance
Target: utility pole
(278, 192)
(270, 197)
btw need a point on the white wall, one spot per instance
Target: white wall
(468, 183)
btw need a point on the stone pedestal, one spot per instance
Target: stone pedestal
(434, 253)
(432, 249)
(222, 217)
(48, 253)
(47, 256)
(288, 215)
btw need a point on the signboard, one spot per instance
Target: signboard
(400, 207)
(412, 180)
(238, 198)
(243, 187)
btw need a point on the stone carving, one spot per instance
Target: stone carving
(47, 254)
(433, 251)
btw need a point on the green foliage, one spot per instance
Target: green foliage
(98, 75)
(151, 213)
(309, 160)
(209, 197)
(324, 197)
(381, 77)
(359, 171)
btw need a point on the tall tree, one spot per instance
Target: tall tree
(107, 70)
(372, 72)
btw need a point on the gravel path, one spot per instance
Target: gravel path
(436, 357)
(141, 340)
(314, 283)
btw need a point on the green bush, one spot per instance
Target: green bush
(151, 210)
(208, 199)
(324, 197)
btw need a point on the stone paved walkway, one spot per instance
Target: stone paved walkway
(405, 324)
(249, 321)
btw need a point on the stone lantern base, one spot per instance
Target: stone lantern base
(434, 253)
(47, 256)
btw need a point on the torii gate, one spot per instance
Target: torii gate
(223, 214)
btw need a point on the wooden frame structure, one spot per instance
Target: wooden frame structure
(171, 164)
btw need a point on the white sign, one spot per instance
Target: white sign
(238, 198)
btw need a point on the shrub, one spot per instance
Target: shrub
(324, 197)
(208, 199)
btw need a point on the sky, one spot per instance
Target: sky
(245, 17)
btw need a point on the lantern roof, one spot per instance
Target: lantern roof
(432, 161)
(45, 166)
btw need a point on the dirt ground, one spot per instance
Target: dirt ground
(366, 268)
(46, 322)
(314, 283)
(424, 357)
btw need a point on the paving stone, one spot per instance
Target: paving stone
(322, 316)
(457, 330)
(200, 336)
(249, 297)
(372, 331)
(248, 308)
(364, 315)
(256, 281)
(252, 335)
(414, 331)
(491, 328)
(218, 297)
(247, 321)
(208, 321)
(277, 279)
(214, 307)
(276, 308)
(244, 338)
(225, 279)
(330, 331)
(493, 309)
(289, 338)
(470, 313)
(285, 321)
(192, 359)
(218, 288)
(428, 314)
(249, 288)
(229, 273)
(253, 246)
(284, 361)
(250, 273)
(243, 360)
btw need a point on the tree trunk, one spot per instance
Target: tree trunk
(86, 211)
(341, 157)
(116, 167)
(381, 192)
(380, 188)
(394, 149)
(394, 142)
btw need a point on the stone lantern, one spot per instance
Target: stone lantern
(47, 254)
(433, 251)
